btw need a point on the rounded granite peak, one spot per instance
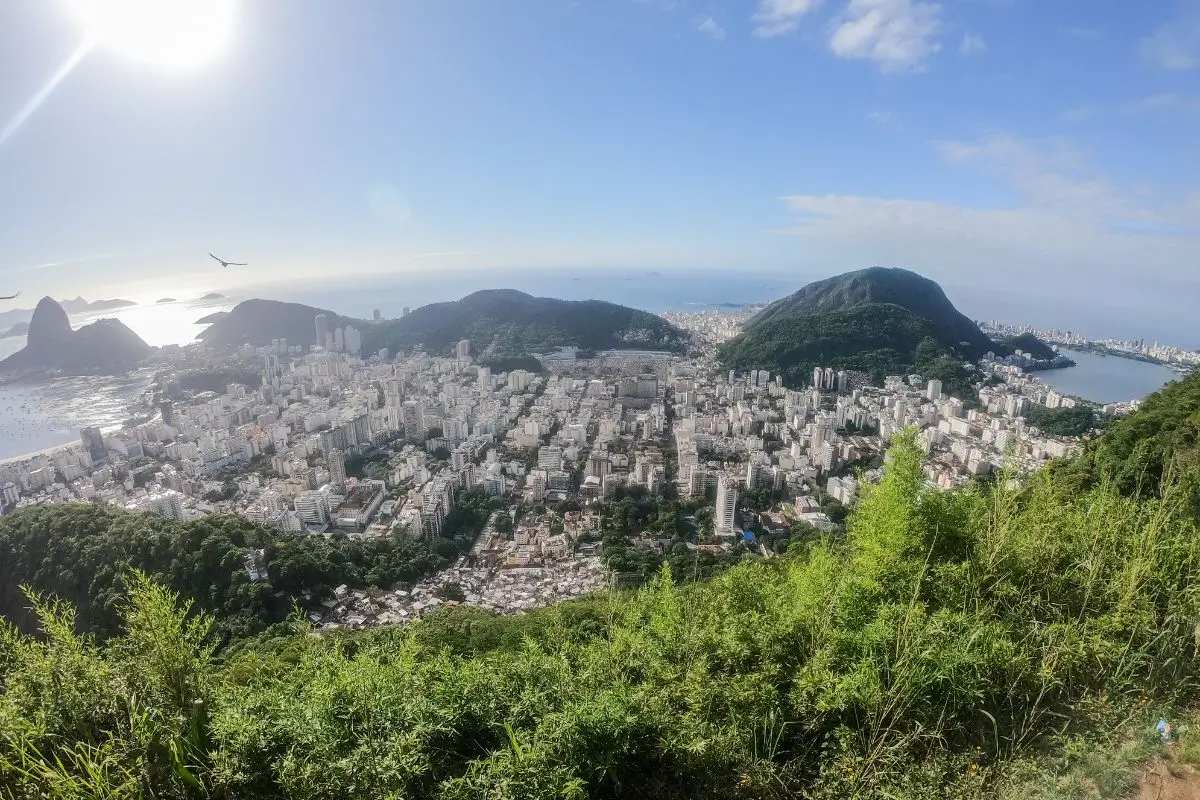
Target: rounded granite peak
(50, 323)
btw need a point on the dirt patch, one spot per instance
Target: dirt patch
(1168, 779)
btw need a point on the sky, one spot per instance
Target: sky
(1041, 147)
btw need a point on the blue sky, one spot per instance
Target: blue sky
(1006, 144)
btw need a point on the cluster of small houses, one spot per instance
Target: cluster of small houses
(507, 591)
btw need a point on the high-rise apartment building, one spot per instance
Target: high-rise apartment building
(463, 349)
(322, 322)
(723, 513)
(337, 467)
(93, 442)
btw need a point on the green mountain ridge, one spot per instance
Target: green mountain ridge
(517, 323)
(882, 285)
(879, 321)
(512, 323)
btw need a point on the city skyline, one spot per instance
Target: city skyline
(992, 144)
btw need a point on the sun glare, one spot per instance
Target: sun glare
(171, 33)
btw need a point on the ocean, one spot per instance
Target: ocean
(37, 416)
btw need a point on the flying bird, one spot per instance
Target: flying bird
(10, 296)
(224, 263)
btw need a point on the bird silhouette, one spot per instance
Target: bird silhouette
(225, 263)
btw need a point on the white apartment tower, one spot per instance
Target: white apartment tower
(723, 514)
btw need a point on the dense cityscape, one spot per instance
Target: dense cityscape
(326, 439)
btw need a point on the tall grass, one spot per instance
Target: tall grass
(942, 637)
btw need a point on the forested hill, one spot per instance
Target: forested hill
(915, 293)
(1026, 343)
(1159, 441)
(515, 323)
(257, 322)
(512, 323)
(879, 321)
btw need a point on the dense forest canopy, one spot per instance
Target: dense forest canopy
(878, 339)
(83, 553)
(511, 323)
(882, 286)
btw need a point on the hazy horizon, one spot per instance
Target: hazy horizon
(1003, 146)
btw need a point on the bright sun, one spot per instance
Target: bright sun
(172, 33)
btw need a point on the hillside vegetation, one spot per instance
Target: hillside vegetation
(83, 554)
(932, 651)
(514, 324)
(878, 339)
(1139, 452)
(878, 321)
(1027, 343)
(503, 322)
(882, 285)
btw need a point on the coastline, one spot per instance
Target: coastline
(48, 452)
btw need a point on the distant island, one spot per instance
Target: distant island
(104, 346)
(163, 300)
(212, 296)
(20, 329)
(879, 321)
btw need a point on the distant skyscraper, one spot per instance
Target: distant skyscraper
(93, 442)
(322, 329)
(339, 342)
(404, 312)
(376, 315)
(463, 350)
(168, 412)
(934, 391)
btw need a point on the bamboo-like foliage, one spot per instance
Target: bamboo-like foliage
(943, 635)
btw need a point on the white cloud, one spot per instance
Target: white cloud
(778, 17)
(896, 34)
(972, 45)
(1070, 221)
(880, 117)
(711, 27)
(1174, 46)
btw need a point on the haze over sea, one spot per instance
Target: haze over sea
(42, 415)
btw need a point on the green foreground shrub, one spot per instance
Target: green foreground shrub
(946, 635)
